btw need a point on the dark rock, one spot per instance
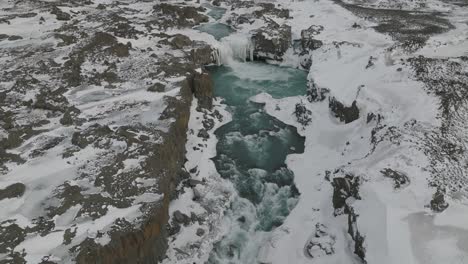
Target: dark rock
(308, 42)
(66, 39)
(438, 203)
(180, 41)
(157, 87)
(302, 114)
(201, 54)
(270, 9)
(13, 38)
(400, 179)
(244, 19)
(344, 188)
(353, 231)
(192, 182)
(179, 16)
(181, 218)
(372, 116)
(208, 123)
(10, 236)
(344, 113)
(194, 169)
(69, 116)
(202, 87)
(356, 25)
(203, 134)
(89, 135)
(200, 232)
(371, 62)
(216, 2)
(60, 15)
(315, 93)
(272, 41)
(305, 59)
(12, 191)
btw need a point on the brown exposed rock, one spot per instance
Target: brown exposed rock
(203, 89)
(148, 244)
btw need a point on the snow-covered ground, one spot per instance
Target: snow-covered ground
(397, 224)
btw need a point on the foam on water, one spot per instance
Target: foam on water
(252, 149)
(236, 47)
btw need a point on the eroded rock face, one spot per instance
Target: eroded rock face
(202, 54)
(272, 41)
(344, 188)
(346, 114)
(97, 115)
(345, 191)
(203, 89)
(359, 248)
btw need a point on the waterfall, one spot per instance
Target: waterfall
(234, 48)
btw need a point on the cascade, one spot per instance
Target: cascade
(234, 48)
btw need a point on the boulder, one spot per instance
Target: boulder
(181, 218)
(200, 232)
(438, 203)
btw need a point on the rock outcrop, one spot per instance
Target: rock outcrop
(272, 41)
(346, 114)
(202, 87)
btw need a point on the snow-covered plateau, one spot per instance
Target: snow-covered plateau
(231, 131)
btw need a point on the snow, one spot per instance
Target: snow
(384, 213)
(215, 193)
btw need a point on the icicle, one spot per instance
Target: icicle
(234, 47)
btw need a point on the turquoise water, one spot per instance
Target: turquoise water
(215, 11)
(216, 29)
(252, 149)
